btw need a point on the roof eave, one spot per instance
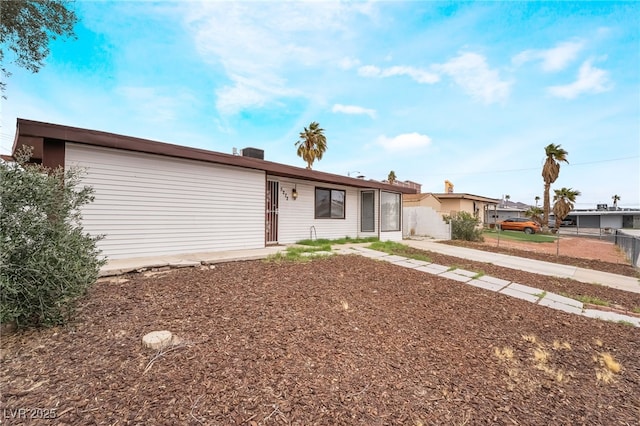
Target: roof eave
(34, 132)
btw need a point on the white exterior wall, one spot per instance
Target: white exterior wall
(149, 205)
(392, 235)
(611, 221)
(296, 217)
(424, 221)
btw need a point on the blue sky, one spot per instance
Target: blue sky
(470, 92)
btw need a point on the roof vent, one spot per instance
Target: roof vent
(253, 153)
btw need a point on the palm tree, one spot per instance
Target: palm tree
(537, 200)
(563, 203)
(550, 172)
(392, 177)
(312, 144)
(615, 198)
(535, 213)
(506, 199)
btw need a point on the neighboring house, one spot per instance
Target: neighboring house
(408, 184)
(424, 213)
(451, 203)
(606, 219)
(500, 213)
(155, 199)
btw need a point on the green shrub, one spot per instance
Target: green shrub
(464, 226)
(46, 259)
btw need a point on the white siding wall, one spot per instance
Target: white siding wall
(296, 217)
(391, 236)
(150, 205)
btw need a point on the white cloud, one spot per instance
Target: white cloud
(404, 141)
(348, 63)
(471, 72)
(590, 80)
(554, 59)
(353, 109)
(251, 93)
(151, 105)
(255, 46)
(417, 74)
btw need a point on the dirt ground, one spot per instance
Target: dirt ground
(581, 247)
(582, 252)
(341, 340)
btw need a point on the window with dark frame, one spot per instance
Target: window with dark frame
(330, 203)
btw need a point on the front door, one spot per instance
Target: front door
(271, 214)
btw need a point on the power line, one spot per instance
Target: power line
(533, 168)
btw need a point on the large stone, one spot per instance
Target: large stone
(157, 339)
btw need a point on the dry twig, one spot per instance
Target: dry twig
(161, 353)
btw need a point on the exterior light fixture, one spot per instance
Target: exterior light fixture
(294, 193)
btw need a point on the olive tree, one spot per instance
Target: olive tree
(465, 226)
(46, 259)
(27, 26)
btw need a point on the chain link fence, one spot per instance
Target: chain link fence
(630, 244)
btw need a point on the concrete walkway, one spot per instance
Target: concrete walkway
(520, 291)
(530, 265)
(123, 266)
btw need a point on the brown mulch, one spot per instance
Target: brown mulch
(623, 300)
(342, 340)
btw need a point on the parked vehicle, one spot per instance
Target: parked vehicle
(519, 224)
(565, 222)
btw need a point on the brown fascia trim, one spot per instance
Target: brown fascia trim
(465, 196)
(28, 129)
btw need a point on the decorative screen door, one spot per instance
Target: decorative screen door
(271, 214)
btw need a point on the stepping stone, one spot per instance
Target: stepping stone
(456, 277)
(419, 262)
(572, 309)
(509, 291)
(486, 284)
(493, 280)
(157, 339)
(610, 316)
(393, 258)
(432, 269)
(525, 289)
(464, 273)
(562, 299)
(406, 264)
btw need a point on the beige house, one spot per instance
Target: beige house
(421, 200)
(451, 203)
(423, 214)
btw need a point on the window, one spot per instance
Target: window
(389, 211)
(329, 203)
